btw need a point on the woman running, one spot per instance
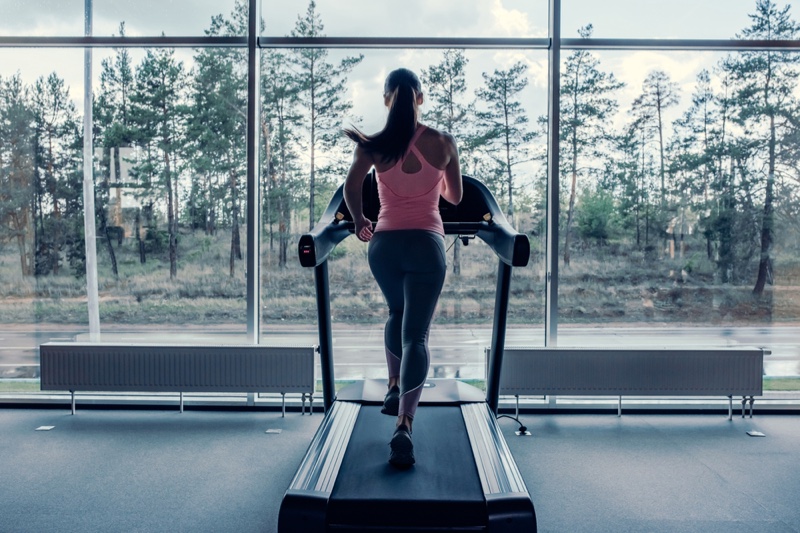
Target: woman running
(415, 165)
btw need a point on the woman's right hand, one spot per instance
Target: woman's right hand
(363, 228)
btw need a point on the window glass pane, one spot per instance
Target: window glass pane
(42, 292)
(66, 17)
(655, 19)
(170, 169)
(674, 230)
(462, 325)
(184, 137)
(41, 17)
(175, 17)
(416, 18)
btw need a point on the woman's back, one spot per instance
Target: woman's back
(410, 188)
(432, 146)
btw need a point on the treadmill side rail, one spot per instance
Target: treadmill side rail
(304, 506)
(303, 511)
(508, 502)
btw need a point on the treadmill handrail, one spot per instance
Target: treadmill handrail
(511, 247)
(316, 245)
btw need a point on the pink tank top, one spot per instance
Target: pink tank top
(410, 201)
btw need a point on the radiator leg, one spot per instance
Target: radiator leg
(283, 405)
(303, 408)
(181, 401)
(744, 405)
(310, 404)
(516, 413)
(752, 401)
(619, 406)
(72, 401)
(730, 407)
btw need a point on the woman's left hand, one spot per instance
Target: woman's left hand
(363, 229)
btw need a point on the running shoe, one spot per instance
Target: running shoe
(391, 402)
(402, 449)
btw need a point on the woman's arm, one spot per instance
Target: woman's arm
(353, 184)
(453, 187)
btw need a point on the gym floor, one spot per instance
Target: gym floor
(126, 470)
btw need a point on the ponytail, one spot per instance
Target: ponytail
(391, 143)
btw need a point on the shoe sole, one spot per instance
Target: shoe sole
(391, 407)
(402, 455)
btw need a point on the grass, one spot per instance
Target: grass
(19, 385)
(601, 285)
(782, 384)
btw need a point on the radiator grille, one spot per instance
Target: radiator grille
(632, 372)
(150, 367)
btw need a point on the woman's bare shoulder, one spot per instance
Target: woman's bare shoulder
(438, 147)
(439, 138)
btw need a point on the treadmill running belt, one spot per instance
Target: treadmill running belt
(441, 490)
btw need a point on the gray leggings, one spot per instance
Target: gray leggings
(409, 266)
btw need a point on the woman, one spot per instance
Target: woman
(415, 165)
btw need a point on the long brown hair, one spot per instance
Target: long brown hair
(392, 141)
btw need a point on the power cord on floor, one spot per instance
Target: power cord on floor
(522, 429)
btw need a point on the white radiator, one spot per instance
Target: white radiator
(176, 368)
(632, 371)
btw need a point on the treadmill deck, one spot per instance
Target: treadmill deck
(441, 490)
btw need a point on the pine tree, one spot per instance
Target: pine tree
(16, 170)
(659, 94)
(215, 129)
(281, 121)
(696, 137)
(322, 89)
(445, 86)
(505, 124)
(54, 120)
(587, 103)
(763, 85)
(158, 114)
(112, 125)
(627, 174)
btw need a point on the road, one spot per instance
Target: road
(455, 351)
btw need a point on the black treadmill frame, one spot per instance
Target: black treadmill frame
(509, 508)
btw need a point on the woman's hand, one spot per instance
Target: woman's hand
(363, 228)
(362, 163)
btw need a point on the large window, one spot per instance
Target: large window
(679, 192)
(462, 327)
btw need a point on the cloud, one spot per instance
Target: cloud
(633, 67)
(509, 22)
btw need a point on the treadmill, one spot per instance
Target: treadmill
(465, 478)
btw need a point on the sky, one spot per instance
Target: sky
(685, 19)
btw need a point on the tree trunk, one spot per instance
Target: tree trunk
(268, 183)
(768, 216)
(171, 225)
(572, 195)
(725, 262)
(139, 241)
(23, 241)
(104, 216)
(510, 179)
(663, 214)
(312, 180)
(236, 249)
